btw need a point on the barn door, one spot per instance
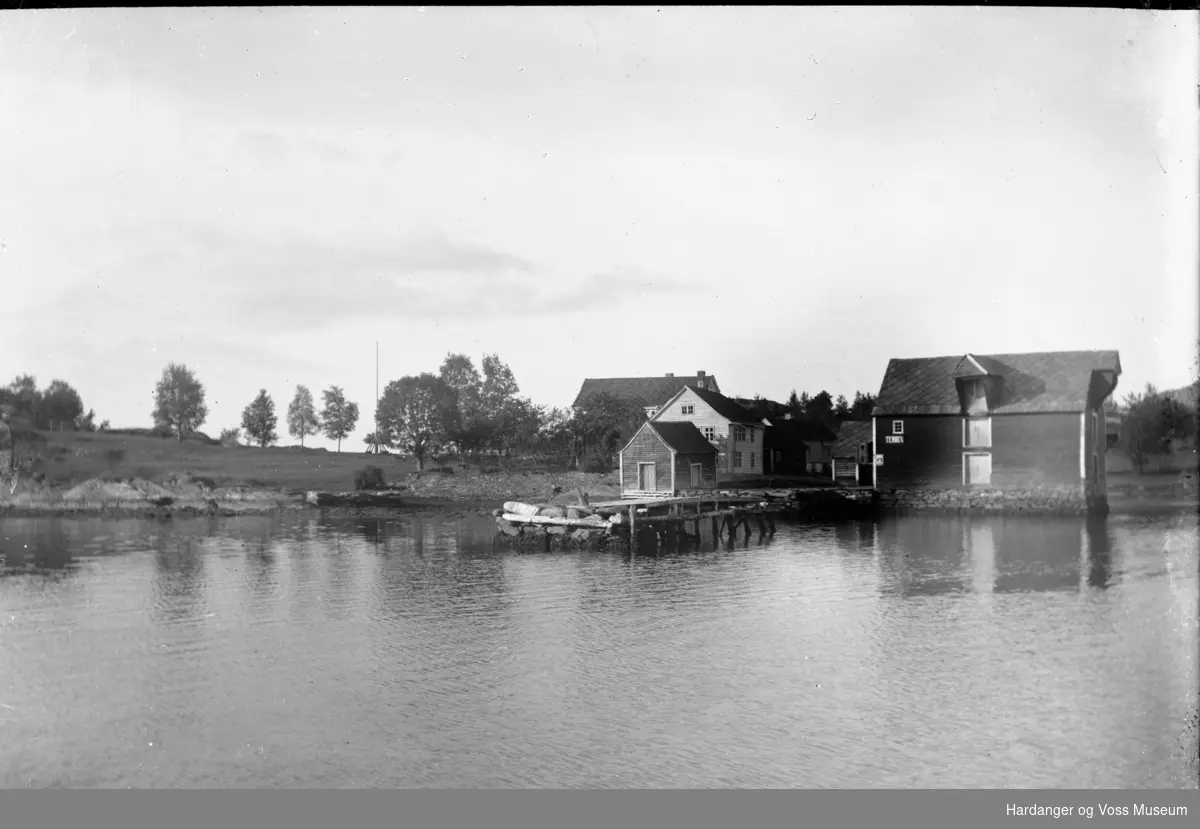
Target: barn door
(646, 482)
(697, 476)
(979, 469)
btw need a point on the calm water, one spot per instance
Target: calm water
(300, 653)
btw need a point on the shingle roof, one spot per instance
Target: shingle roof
(850, 435)
(683, 437)
(1050, 381)
(645, 391)
(727, 408)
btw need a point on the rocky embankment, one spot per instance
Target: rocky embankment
(179, 494)
(188, 495)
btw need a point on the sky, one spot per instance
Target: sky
(782, 197)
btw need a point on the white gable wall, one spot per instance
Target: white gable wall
(704, 415)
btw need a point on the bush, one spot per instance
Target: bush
(369, 477)
(113, 457)
(596, 461)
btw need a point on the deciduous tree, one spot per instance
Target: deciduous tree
(259, 420)
(418, 415)
(339, 416)
(60, 404)
(499, 385)
(302, 417)
(179, 401)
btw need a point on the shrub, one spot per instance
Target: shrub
(113, 457)
(369, 477)
(596, 461)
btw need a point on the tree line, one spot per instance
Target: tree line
(823, 407)
(56, 407)
(461, 409)
(180, 408)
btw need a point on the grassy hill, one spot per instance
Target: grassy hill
(67, 458)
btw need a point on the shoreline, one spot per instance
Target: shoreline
(467, 493)
(264, 504)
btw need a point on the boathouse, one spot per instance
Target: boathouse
(1003, 430)
(666, 458)
(735, 431)
(648, 392)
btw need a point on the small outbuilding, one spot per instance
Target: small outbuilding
(854, 453)
(666, 458)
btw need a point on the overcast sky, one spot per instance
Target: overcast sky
(782, 197)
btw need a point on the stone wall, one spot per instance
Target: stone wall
(1064, 499)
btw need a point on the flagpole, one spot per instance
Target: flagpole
(377, 397)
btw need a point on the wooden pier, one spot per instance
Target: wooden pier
(641, 523)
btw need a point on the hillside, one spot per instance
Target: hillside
(64, 459)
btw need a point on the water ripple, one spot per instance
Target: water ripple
(255, 652)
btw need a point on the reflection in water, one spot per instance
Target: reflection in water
(938, 555)
(961, 652)
(980, 544)
(1098, 547)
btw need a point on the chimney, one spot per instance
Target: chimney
(700, 375)
(669, 374)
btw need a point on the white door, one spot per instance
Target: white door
(646, 481)
(697, 476)
(979, 469)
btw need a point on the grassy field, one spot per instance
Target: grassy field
(68, 458)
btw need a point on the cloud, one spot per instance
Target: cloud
(617, 286)
(262, 147)
(328, 150)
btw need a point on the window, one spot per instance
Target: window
(737, 459)
(897, 427)
(750, 438)
(739, 433)
(751, 460)
(687, 409)
(710, 433)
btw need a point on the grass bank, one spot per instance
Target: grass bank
(109, 472)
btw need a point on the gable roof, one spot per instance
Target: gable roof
(645, 391)
(722, 405)
(1047, 381)
(683, 437)
(850, 435)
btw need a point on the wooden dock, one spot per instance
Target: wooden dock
(640, 523)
